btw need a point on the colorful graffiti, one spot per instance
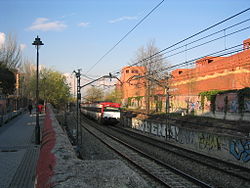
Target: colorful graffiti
(247, 105)
(234, 106)
(218, 146)
(137, 124)
(240, 150)
(194, 106)
(209, 142)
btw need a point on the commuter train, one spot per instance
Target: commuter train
(103, 112)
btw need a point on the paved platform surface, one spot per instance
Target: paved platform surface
(18, 152)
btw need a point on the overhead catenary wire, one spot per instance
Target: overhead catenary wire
(202, 31)
(196, 34)
(111, 49)
(222, 30)
(192, 61)
(187, 49)
(224, 52)
(240, 30)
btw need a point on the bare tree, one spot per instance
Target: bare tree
(94, 94)
(145, 56)
(154, 63)
(10, 53)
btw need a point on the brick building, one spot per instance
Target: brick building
(209, 73)
(214, 73)
(133, 86)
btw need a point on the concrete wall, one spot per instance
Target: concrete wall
(225, 147)
(6, 117)
(57, 164)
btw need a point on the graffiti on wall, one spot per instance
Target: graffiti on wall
(161, 130)
(247, 104)
(172, 132)
(154, 128)
(194, 106)
(211, 144)
(240, 149)
(233, 106)
(187, 137)
(208, 141)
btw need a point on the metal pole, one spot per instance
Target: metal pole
(77, 109)
(79, 101)
(148, 97)
(167, 100)
(78, 98)
(37, 128)
(167, 112)
(37, 43)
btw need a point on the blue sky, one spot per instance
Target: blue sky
(77, 33)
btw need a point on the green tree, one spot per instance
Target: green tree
(28, 73)
(114, 96)
(7, 81)
(94, 94)
(52, 87)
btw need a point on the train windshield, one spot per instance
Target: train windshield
(111, 109)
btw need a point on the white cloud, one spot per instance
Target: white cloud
(2, 38)
(83, 24)
(23, 46)
(68, 15)
(123, 18)
(44, 24)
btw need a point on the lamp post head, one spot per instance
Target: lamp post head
(37, 42)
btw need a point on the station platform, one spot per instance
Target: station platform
(18, 152)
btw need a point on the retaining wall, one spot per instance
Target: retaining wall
(229, 148)
(57, 164)
(6, 117)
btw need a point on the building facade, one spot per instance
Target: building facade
(186, 85)
(133, 86)
(210, 74)
(214, 73)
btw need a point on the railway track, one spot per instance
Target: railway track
(223, 166)
(163, 173)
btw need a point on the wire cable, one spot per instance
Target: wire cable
(187, 49)
(222, 30)
(192, 61)
(125, 36)
(202, 31)
(229, 34)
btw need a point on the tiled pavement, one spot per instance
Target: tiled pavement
(18, 153)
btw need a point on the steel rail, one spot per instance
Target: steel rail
(174, 170)
(194, 155)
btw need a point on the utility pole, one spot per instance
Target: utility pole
(168, 128)
(148, 97)
(78, 101)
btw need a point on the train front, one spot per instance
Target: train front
(111, 113)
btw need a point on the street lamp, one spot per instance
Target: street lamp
(37, 43)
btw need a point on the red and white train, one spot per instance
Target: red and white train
(103, 112)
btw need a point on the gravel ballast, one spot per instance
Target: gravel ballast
(100, 167)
